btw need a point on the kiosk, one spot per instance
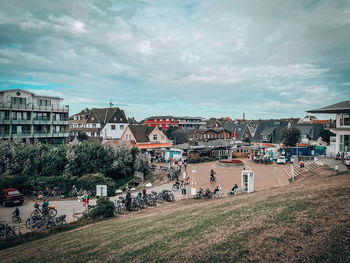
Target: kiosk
(248, 181)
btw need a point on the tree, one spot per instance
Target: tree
(82, 136)
(325, 135)
(170, 130)
(290, 136)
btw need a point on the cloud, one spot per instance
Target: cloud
(152, 56)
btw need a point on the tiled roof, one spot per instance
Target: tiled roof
(278, 125)
(141, 132)
(106, 115)
(267, 131)
(340, 107)
(238, 127)
(313, 130)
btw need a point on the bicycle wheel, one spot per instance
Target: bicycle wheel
(28, 225)
(57, 193)
(35, 213)
(72, 193)
(14, 219)
(52, 212)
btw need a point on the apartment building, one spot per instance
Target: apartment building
(26, 115)
(184, 122)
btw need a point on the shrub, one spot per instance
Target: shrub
(89, 182)
(104, 208)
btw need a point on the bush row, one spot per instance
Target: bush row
(26, 184)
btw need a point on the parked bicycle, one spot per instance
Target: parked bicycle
(168, 196)
(52, 192)
(120, 205)
(38, 189)
(6, 231)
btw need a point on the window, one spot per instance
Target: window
(44, 102)
(92, 118)
(344, 145)
(345, 120)
(113, 127)
(155, 137)
(98, 134)
(18, 101)
(122, 127)
(93, 125)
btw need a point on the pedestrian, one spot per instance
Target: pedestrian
(84, 199)
(45, 206)
(144, 191)
(185, 166)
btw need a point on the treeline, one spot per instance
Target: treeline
(24, 162)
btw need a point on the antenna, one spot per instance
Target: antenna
(111, 103)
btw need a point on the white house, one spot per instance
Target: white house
(103, 123)
(342, 129)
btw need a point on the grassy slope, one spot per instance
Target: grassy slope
(308, 220)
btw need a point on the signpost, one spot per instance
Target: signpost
(101, 190)
(193, 185)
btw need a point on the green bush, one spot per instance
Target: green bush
(89, 182)
(104, 208)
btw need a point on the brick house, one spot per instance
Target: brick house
(144, 137)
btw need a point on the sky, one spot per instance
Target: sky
(267, 58)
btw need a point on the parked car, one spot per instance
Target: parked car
(282, 159)
(11, 196)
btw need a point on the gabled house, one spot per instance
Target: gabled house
(100, 123)
(239, 130)
(268, 132)
(145, 137)
(310, 133)
(202, 135)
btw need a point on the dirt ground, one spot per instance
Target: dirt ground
(264, 175)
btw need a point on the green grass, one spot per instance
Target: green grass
(210, 232)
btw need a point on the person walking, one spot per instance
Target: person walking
(84, 198)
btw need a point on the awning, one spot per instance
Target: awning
(153, 145)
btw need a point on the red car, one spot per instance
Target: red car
(11, 196)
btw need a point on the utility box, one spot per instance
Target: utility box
(248, 181)
(101, 190)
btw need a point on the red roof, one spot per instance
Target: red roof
(153, 145)
(319, 121)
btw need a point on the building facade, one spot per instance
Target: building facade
(342, 128)
(144, 137)
(184, 122)
(25, 115)
(99, 123)
(203, 135)
(162, 122)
